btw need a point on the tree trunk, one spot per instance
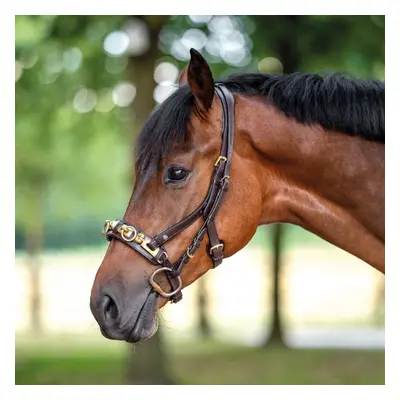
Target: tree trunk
(276, 335)
(147, 360)
(148, 363)
(202, 309)
(286, 48)
(34, 242)
(289, 55)
(140, 72)
(378, 312)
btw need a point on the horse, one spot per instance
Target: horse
(217, 159)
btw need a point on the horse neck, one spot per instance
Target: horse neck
(330, 183)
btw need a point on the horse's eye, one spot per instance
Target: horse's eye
(177, 174)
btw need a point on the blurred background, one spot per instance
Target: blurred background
(312, 314)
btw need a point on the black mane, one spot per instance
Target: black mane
(335, 101)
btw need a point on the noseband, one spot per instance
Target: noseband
(152, 247)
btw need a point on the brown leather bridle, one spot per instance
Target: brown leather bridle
(151, 247)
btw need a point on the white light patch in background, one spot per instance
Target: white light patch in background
(85, 100)
(213, 45)
(18, 70)
(28, 59)
(166, 73)
(227, 42)
(53, 63)
(138, 36)
(221, 25)
(116, 43)
(180, 51)
(72, 59)
(161, 92)
(123, 94)
(200, 19)
(239, 57)
(194, 38)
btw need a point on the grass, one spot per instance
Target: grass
(205, 363)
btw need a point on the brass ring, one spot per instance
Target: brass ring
(130, 229)
(158, 288)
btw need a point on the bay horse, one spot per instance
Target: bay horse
(219, 158)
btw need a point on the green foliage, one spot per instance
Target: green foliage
(59, 150)
(348, 43)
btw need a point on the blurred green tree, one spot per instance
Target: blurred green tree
(53, 139)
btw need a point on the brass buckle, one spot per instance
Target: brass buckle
(225, 177)
(216, 247)
(158, 288)
(147, 248)
(219, 159)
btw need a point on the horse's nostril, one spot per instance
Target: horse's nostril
(110, 309)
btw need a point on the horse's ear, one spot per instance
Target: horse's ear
(199, 79)
(183, 78)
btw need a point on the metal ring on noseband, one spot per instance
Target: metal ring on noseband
(131, 231)
(158, 288)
